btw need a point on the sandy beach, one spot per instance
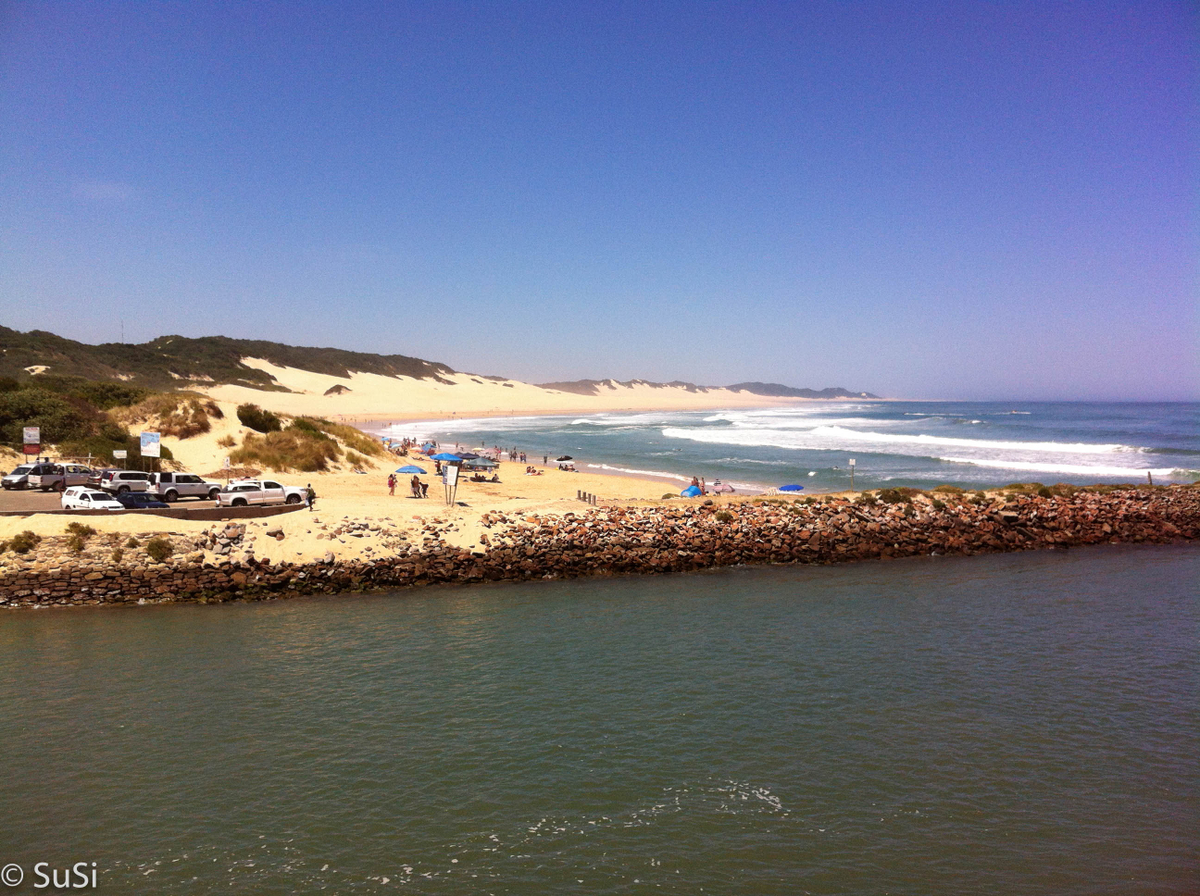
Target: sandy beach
(346, 495)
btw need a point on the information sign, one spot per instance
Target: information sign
(151, 444)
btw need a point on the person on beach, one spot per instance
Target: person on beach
(392, 484)
(415, 485)
(424, 489)
(311, 497)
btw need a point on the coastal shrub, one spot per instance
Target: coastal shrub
(724, 516)
(1044, 492)
(118, 555)
(132, 542)
(938, 505)
(159, 548)
(866, 499)
(354, 439)
(21, 543)
(897, 495)
(668, 495)
(308, 425)
(293, 449)
(355, 460)
(978, 498)
(948, 490)
(79, 535)
(258, 419)
(1028, 488)
(226, 442)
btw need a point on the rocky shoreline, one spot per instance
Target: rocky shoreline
(220, 565)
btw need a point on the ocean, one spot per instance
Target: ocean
(918, 444)
(1015, 723)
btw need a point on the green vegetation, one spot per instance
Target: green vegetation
(898, 495)
(256, 418)
(295, 449)
(948, 490)
(724, 516)
(306, 445)
(79, 536)
(164, 362)
(21, 543)
(118, 555)
(177, 414)
(226, 442)
(76, 415)
(132, 542)
(159, 548)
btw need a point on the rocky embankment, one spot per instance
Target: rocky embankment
(220, 565)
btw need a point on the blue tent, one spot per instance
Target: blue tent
(411, 468)
(791, 488)
(446, 456)
(692, 491)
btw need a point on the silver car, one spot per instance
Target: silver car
(58, 476)
(18, 478)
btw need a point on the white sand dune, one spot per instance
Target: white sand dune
(374, 397)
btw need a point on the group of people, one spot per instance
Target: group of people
(418, 488)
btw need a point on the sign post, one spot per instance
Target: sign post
(120, 454)
(450, 478)
(32, 439)
(851, 474)
(151, 445)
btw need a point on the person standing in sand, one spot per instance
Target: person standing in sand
(392, 484)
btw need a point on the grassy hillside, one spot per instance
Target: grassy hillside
(170, 362)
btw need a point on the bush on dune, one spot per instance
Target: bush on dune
(177, 414)
(293, 449)
(256, 418)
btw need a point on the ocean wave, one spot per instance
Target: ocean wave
(1070, 469)
(827, 438)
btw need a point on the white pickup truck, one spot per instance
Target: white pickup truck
(245, 492)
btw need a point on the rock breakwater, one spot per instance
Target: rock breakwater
(616, 540)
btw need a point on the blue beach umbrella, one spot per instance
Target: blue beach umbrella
(791, 488)
(692, 491)
(411, 468)
(445, 456)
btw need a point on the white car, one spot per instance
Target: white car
(81, 497)
(244, 492)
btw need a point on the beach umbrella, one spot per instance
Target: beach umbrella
(468, 455)
(411, 468)
(692, 491)
(791, 488)
(479, 463)
(446, 456)
(564, 457)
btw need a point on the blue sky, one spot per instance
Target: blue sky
(967, 200)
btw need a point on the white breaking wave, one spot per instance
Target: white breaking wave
(1072, 469)
(827, 438)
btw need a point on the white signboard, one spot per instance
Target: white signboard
(120, 454)
(151, 445)
(33, 435)
(226, 464)
(450, 477)
(851, 461)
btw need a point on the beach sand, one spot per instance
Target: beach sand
(345, 495)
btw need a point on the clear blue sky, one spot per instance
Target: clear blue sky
(976, 200)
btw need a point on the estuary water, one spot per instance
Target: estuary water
(911, 443)
(1018, 724)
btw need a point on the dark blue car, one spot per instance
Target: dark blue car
(139, 501)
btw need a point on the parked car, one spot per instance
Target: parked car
(60, 477)
(244, 492)
(18, 478)
(118, 481)
(173, 486)
(98, 474)
(140, 501)
(80, 497)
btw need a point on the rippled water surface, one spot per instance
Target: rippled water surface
(1009, 724)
